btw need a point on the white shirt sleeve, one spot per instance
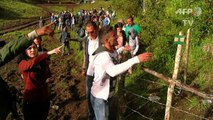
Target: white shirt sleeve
(122, 67)
(137, 46)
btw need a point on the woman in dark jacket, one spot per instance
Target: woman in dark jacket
(34, 69)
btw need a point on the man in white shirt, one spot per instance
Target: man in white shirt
(91, 44)
(104, 68)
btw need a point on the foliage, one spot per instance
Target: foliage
(57, 9)
(128, 7)
(195, 103)
(18, 10)
(201, 61)
(160, 23)
(98, 4)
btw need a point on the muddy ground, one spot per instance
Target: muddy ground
(67, 85)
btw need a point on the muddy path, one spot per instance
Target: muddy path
(66, 85)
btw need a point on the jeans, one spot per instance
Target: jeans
(89, 80)
(101, 108)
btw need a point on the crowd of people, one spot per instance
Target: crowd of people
(103, 46)
(67, 18)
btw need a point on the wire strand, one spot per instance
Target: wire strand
(165, 105)
(135, 109)
(139, 113)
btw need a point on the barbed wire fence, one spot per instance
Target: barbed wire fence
(153, 100)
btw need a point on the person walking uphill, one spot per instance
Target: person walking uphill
(104, 69)
(10, 51)
(64, 39)
(34, 69)
(81, 36)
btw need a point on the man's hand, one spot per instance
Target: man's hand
(144, 57)
(46, 30)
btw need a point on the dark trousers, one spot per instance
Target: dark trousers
(36, 111)
(80, 43)
(89, 80)
(80, 46)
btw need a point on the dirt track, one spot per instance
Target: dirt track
(67, 88)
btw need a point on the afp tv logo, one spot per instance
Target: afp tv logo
(197, 11)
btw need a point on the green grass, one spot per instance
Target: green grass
(97, 5)
(200, 62)
(22, 10)
(12, 11)
(57, 9)
(199, 67)
(195, 103)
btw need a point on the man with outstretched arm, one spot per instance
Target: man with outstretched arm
(104, 71)
(14, 47)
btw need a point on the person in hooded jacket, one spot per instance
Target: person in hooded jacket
(34, 68)
(105, 68)
(10, 51)
(133, 44)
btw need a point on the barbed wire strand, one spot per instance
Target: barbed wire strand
(178, 89)
(135, 109)
(165, 105)
(132, 100)
(139, 113)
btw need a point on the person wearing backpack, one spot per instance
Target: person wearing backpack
(104, 69)
(81, 36)
(133, 44)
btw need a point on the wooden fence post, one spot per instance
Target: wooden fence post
(121, 102)
(186, 56)
(121, 85)
(174, 76)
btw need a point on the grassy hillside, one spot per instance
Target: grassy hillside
(13, 12)
(160, 24)
(161, 21)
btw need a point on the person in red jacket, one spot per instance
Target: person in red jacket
(9, 51)
(34, 69)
